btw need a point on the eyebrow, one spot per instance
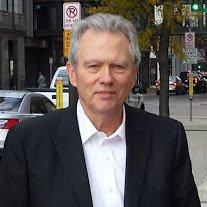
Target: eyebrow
(119, 62)
(93, 61)
(96, 61)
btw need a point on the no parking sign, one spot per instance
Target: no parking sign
(189, 39)
(71, 14)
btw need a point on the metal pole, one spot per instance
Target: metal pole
(191, 108)
(50, 72)
(14, 47)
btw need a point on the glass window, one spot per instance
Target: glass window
(45, 17)
(37, 106)
(64, 75)
(3, 5)
(9, 103)
(18, 6)
(49, 105)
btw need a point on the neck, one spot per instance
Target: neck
(105, 122)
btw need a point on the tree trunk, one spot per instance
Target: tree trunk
(144, 71)
(164, 72)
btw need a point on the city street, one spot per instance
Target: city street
(196, 131)
(179, 105)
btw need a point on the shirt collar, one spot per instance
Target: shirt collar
(87, 129)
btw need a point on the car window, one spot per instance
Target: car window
(172, 78)
(64, 75)
(37, 106)
(48, 104)
(9, 103)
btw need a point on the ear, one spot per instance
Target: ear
(72, 74)
(136, 72)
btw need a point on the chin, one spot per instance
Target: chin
(106, 107)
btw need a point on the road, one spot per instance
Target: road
(179, 105)
(197, 140)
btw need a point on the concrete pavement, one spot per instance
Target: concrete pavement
(196, 131)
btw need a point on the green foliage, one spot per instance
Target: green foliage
(178, 47)
(142, 12)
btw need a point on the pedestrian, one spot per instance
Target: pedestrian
(99, 152)
(41, 81)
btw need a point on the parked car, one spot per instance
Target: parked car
(204, 81)
(16, 106)
(61, 72)
(199, 83)
(175, 85)
(135, 99)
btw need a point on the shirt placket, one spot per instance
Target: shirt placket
(109, 175)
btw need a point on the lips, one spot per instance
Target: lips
(105, 93)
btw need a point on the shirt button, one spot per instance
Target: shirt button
(110, 190)
(107, 158)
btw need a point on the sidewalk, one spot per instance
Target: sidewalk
(196, 131)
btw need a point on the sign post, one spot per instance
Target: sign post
(66, 43)
(59, 93)
(189, 39)
(71, 14)
(50, 62)
(191, 93)
(191, 57)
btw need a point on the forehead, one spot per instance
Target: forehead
(103, 44)
(91, 33)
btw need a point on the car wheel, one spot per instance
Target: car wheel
(178, 92)
(142, 107)
(184, 91)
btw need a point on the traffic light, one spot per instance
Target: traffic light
(199, 66)
(196, 7)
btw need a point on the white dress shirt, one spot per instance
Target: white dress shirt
(105, 159)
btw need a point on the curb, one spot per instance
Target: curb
(197, 124)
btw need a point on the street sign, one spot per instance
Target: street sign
(191, 55)
(189, 39)
(66, 43)
(50, 60)
(158, 12)
(71, 14)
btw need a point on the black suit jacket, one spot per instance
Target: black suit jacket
(43, 163)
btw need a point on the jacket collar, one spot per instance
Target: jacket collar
(138, 146)
(69, 146)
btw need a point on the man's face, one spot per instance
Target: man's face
(105, 72)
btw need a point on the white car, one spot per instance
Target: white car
(136, 100)
(16, 106)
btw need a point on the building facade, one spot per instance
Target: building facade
(15, 25)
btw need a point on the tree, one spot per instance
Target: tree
(151, 35)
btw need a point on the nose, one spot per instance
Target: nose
(106, 76)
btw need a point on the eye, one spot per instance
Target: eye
(93, 66)
(118, 67)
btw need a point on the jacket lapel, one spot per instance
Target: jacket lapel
(70, 150)
(137, 145)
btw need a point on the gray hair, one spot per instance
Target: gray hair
(104, 22)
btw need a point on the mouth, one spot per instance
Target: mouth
(105, 93)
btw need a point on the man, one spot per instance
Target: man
(41, 81)
(100, 153)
